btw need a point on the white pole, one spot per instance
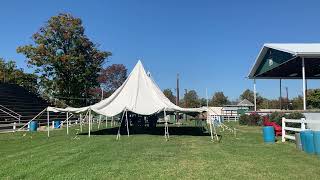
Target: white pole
(112, 121)
(127, 123)
(89, 123)
(106, 121)
(304, 85)
(283, 129)
(100, 118)
(48, 118)
(68, 122)
(80, 122)
(208, 117)
(255, 94)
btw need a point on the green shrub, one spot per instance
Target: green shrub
(277, 117)
(250, 120)
(243, 119)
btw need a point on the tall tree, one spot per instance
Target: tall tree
(66, 60)
(219, 99)
(112, 77)
(169, 94)
(249, 95)
(191, 99)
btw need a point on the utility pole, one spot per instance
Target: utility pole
(280, 98)
(287, 98)
(177, 97)
(185, 101)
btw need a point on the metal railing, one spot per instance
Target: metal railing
(11, 113)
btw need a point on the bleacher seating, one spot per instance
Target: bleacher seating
(24, 103)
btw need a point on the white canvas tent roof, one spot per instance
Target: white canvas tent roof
(138, 94)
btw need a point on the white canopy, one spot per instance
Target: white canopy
(138, 94)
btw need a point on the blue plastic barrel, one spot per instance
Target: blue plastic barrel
(57, 124)
(307, 141)
(33, 126)
(316, 141)
(268, 134)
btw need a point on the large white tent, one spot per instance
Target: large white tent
(139, 94)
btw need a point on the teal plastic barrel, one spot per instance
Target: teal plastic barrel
(307, 141)
(316, 141)
(268, 134)
(33, 126)
(57, 124)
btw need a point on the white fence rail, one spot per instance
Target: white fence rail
(301, 121)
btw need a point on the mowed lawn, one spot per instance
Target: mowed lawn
(27, 155)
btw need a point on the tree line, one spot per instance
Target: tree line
(192, 100)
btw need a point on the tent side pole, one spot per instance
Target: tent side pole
(166, 129)
(106, 121)
(89, 119)
(68, 122)
(100, 118)
(127, 123)
(80, 122)
(48, 118)
(210, 125)
(118, 135)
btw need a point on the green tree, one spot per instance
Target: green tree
(297, 103)
(191, 99)
(169, 94)
(9, 73)
(67, 62)
(313, 98)
(219, 99)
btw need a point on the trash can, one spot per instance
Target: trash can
(316, 141)
(298, 141)
(268, 134)
(57, 124)
(307, 141)
(33, 126)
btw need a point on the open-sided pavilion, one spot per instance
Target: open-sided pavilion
(287, 61)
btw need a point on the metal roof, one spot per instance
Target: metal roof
(310, 51)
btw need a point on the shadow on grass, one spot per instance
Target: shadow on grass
(179, 131)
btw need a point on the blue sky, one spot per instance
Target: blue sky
(212, 44)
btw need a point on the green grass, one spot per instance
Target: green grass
(143, 156)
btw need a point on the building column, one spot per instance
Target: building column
(304, 85)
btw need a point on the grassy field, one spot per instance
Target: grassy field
(188, 155)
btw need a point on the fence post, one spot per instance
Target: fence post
(283, 129)
(303, 125)
(52, 124)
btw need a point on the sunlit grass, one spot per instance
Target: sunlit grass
(149, 156)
